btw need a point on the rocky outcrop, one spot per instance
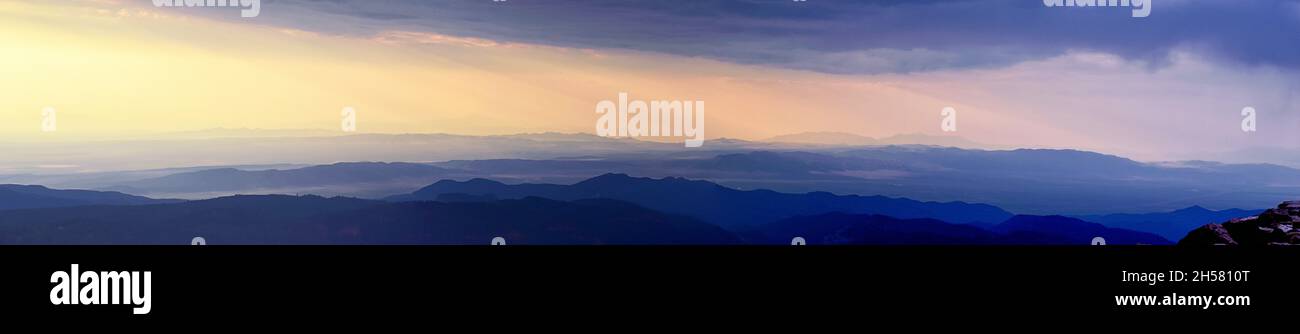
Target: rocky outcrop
(1275, 226)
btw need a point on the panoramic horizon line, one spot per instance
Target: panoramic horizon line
(326, 133)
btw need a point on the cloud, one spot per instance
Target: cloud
(848, 37)
(1103, 102)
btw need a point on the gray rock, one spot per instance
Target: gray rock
(1272, 227)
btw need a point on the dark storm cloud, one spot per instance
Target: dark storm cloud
(837, 36)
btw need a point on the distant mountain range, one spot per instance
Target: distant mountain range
(1043, 182)
(246, 147)
(227, 179)
(35, 197)
(726, 207)
(1284, 156)
(331, 221)
(1029, 181)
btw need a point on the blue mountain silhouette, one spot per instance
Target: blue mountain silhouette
(726, 207)
(1032, 181)
(31, 196)
(1035, 181)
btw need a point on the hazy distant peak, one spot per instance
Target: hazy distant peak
(725, 140)
(14, 196)
(849, 139)
(558, 136)
(1193, 209)
(23, 187)
(610, 179)
(215, 133)
(628, 181)
(475, 181)
(613, 176)
(824, 138)
(363, 165)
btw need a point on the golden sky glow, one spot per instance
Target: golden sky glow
(112, 70)
(129, 71)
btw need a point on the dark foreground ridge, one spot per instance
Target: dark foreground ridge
(1273, 227)
(314, 220)
(613, 209)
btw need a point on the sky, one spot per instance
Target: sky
(1170, 85)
